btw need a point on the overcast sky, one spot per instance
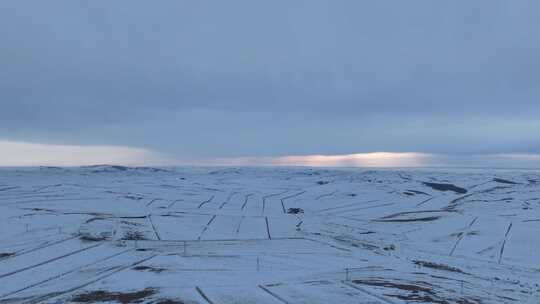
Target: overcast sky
(218, 79)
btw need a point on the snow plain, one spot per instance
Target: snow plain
(111, 234)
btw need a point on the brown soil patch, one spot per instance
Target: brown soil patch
(6, 254)
(446, 187)
(438, 266)
(150, 269)
(121, 297)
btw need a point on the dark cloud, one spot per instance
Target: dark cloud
(229, 78)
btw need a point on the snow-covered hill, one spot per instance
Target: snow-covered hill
(268, 235)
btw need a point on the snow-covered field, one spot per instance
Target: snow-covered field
(268, 235)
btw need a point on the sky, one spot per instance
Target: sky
(270, 82)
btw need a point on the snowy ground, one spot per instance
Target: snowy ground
(260, 235)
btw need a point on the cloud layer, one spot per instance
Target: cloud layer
(28, 154)
(223, 79)
(384, 160)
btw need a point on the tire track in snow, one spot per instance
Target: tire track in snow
(203, 295)
(246, 199)
(239, 224)
(425, 201)
(47, 261)
(149, 217)
(385, 300)
(206, 201)
(38, 248)
(326, 195)
(9, 188)
(294, 195)
(462, 235)
(267, 228)
(206, 227)
(289, 197)
(63, 274)
(57, 294)
(274, 295)
(269, 196)
(173, 203)
(501, 252)
(228, 200)
(46, 187)
(152, 201)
